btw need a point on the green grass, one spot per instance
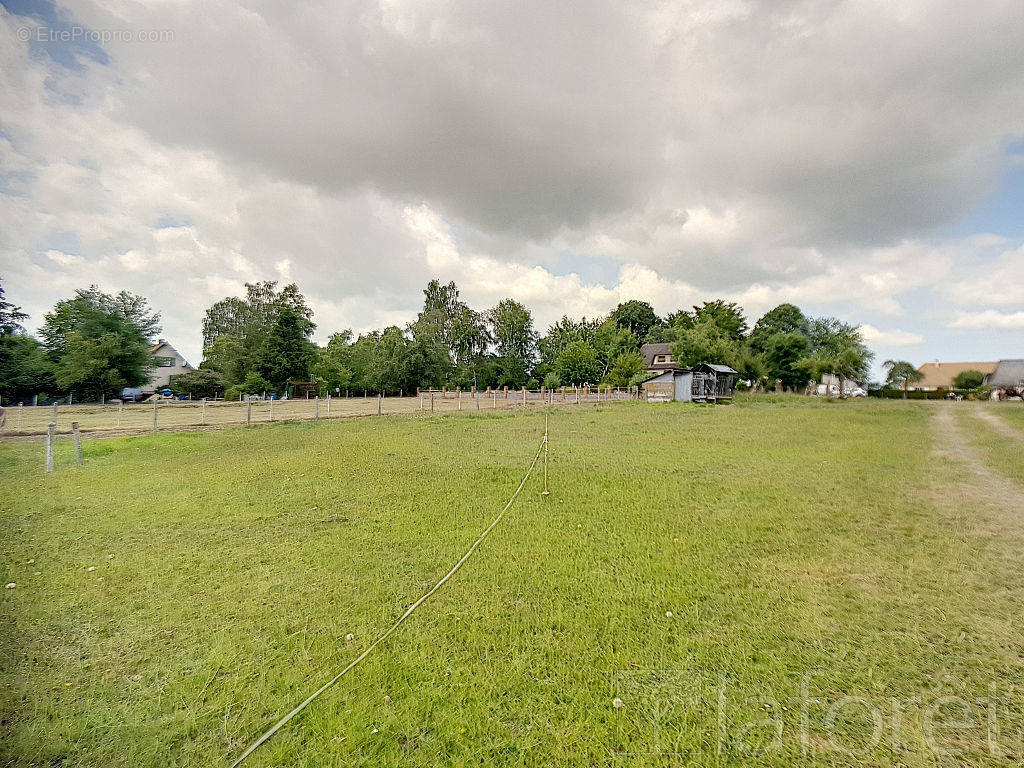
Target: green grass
(1001, 451)
(784, 536)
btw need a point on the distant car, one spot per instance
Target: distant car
(833, 391)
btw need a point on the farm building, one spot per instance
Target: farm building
(704, 383)
(1007, 373)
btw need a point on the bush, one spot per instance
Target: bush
(551, 381)
(917, 394)
(969, 380)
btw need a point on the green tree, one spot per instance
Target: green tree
(706, 342)
(98, 366)
(25, 368)
(227, 357)
(286, 354)
(99, 342)
(199, 383)
(577, 364)
(785, 318)
(902, 374)
(626, 368)
(10, 316)
(782, 354)
(969, 379)
(515, 340)
(728, 316)
(636, 316)
(329, 374)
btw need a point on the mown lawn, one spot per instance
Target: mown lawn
(700, 566)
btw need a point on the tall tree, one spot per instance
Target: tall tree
(577, 364)
(782, 355)
(706, 342)
(10, 316)
(286, 354)
(726, 315)
(636, 316)
(901, 374)
(250, 319)
(785, 318)
(99, 343)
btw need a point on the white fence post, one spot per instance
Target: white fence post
(51, 438)
(248, 413)
(380, 402)
(78, 443)
(202, 417)
(316, 408)
(271, 409)
(154, 415)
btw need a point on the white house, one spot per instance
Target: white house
(167, 362)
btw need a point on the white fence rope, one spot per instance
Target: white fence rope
(280, 723)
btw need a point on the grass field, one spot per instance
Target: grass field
(725, 575)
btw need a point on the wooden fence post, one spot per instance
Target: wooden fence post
(524, 396)
(271, 409)
(19, 415)
(316, 408)
(380, 403)
(78, 443)
(54, 413)
(328, 403)
(154, 416)
(202, 415)
(458, 391)
(51, 438)
(431, 401)
(248, 413)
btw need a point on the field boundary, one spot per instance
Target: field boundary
(401, 619)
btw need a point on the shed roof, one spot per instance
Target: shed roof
(1008, 373)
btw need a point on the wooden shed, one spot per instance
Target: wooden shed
(704, 383)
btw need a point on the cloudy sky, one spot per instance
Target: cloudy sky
(859, 158)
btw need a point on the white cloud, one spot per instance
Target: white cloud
(893, 338)
(989, 320)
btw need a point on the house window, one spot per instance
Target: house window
(663, 358)
(164, 362)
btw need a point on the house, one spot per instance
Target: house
(704, 383)
(167, 362)
(941, 375)
(657, 358)
(1006, 373)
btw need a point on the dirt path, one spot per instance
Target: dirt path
(978, 484)
(999, 425)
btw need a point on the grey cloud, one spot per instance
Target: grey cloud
(850, 122)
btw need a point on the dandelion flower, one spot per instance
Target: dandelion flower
(91, 568)
(10, 585)
(617, 702)
(349, 637)
(31, 561)
(668, 614)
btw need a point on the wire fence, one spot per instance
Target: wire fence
(171, 415)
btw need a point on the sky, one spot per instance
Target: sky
(859, 158)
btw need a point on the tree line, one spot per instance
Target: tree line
(94, 344)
